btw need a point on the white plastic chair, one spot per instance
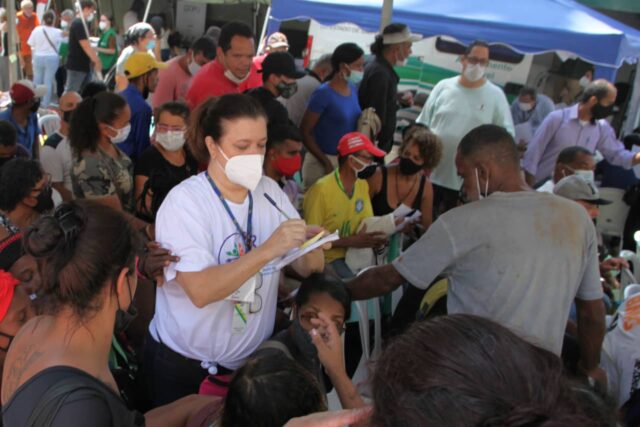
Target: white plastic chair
(49, 124)
(612, 217)
(634, 262)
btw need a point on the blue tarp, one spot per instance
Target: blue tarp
(528, 26)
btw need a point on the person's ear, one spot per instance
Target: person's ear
(212, 147)
(121, 283)
(592, 101)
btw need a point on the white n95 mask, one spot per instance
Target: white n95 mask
(244, 170)
(473, 73)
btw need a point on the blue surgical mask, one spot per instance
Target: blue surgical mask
(355, 77)
(151, 45)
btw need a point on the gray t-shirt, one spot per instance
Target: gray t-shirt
(519, 259)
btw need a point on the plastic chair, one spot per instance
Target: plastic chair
(634, 262)
(49, 124)
(612, 217)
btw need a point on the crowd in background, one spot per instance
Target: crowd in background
(149, 193)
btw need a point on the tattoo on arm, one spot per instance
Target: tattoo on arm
(17, 369)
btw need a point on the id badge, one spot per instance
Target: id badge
(240, 318)
(245, 293)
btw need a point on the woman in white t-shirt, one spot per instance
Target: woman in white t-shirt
(45, 42)
(218, 302)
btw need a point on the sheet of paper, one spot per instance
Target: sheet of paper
(524, 132)
(294, 254)
(385, 224)
(402, 211)
(413, 218)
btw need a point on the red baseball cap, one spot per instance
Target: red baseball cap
(24, 90)
(356, 141)
(7, 288)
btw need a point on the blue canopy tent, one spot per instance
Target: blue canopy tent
(528, 26)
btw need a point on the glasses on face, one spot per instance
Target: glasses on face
(256, 305)
(367, 159)
(473, 60)
(307, 317)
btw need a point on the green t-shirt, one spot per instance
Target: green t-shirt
(108, 60)
(64, 50)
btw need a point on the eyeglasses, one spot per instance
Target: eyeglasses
(477, 61)
(256, 305)
(307, 317)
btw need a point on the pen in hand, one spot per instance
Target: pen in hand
(275, 205)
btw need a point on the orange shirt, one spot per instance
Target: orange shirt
(24, 27)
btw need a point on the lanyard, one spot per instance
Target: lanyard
(247, 237)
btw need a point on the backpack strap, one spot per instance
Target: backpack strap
(55, 398)
(276, 345)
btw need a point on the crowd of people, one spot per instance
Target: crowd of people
(158, 213)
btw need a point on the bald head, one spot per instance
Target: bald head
(601, 89)
(69, 101)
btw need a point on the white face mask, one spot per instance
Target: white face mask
(584, 82)
(121, 134)
(90, 17)
(102, 25)
(193, 67)
(486, 187)
(587, 175)
(244, 170)
(64, 25)
(232, 77)
(401, 62)
(172, 140)
(525, 106)
(473, 73)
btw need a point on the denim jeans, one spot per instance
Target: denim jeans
(76, 80)
(44, 71)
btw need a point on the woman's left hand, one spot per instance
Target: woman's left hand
(327, 339)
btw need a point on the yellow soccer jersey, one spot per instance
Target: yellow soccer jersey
(326, 204)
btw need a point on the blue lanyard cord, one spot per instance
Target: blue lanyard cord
(247, 237)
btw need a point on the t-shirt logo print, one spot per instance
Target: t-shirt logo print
(233, 247)
(359, 205)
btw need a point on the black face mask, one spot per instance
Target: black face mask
(35, 106)
(367, 172)
(44, 200)
(303, 341)
(124, 318)
(599, 111)
(4, 160)
(10, 338)
(409, 167)
(66, 116)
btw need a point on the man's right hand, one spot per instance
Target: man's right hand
(367, 240)
(290, 234)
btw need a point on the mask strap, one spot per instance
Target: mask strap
(486, 187)
(478, 183)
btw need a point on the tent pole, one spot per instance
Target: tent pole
(12, 43)
(387, 12)
(146, 11)
(263, 31)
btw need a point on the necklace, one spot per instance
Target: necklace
(402, 199)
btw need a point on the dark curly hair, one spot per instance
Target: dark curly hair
(18, 177)
(429, 144)
(462, 370)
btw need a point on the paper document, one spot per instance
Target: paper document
(402, 211)
(416, 216)
(385, 224)
(306, 247)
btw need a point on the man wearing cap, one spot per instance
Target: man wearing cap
(379, 87)
(277, 42)
(316, 75)
(26, 22)
(22, 114)
(512, 255)
(232, 71)
(581, 191)
(279, 76)
(583, 124)
(55, 154)
(141, 70)
(454, 107)
(340, 201)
